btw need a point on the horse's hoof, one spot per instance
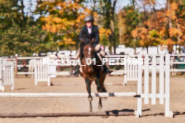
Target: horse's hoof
(51, 84)
(90, 99)
(99, 106)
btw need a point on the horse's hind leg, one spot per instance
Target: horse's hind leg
(88, 86)
(100, 103)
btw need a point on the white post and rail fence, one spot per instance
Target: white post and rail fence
(146, 88)
(143, 85)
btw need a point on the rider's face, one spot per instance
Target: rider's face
(89, 24)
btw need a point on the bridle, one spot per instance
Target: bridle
(89, 53)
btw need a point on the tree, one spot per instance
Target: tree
(64, 20)
(128, 19)
(19, 33)
(107, 19)
(157, 27)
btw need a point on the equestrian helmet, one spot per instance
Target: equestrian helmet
(89, 19)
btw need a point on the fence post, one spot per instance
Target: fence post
(125, 71)
(35, 71)
(139, 90)
(154, 79)
(12, 75)
(16, 62)
(146, 79)
(168, 113)
(1, 79)
(161, 80)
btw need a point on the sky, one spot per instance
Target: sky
(120, 4)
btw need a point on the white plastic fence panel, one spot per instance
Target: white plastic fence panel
(41, 72)
(131, 70)
(153, 95)
(6, 73)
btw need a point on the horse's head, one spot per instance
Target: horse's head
(89, 51)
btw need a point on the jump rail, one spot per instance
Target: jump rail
(115, 94)
(77, 114)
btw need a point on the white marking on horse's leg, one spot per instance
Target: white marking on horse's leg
(89, 51)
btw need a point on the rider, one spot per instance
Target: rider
(91, 32)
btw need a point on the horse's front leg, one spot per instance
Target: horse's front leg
(99, 89)
(88, 87)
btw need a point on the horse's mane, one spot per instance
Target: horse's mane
(86, 42)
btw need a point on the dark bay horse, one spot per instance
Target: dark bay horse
(91, 71)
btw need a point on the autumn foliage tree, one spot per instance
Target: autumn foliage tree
(56, 24)
(128, 21)
(64, 20)
(164, 26)
(19, 33)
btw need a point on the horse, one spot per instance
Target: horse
(92, 72)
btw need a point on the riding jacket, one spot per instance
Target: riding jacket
(90, 33)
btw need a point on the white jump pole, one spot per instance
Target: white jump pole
(116, 94)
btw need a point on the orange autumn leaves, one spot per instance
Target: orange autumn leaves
(154, 30)
(65, 19)
(104, 34)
